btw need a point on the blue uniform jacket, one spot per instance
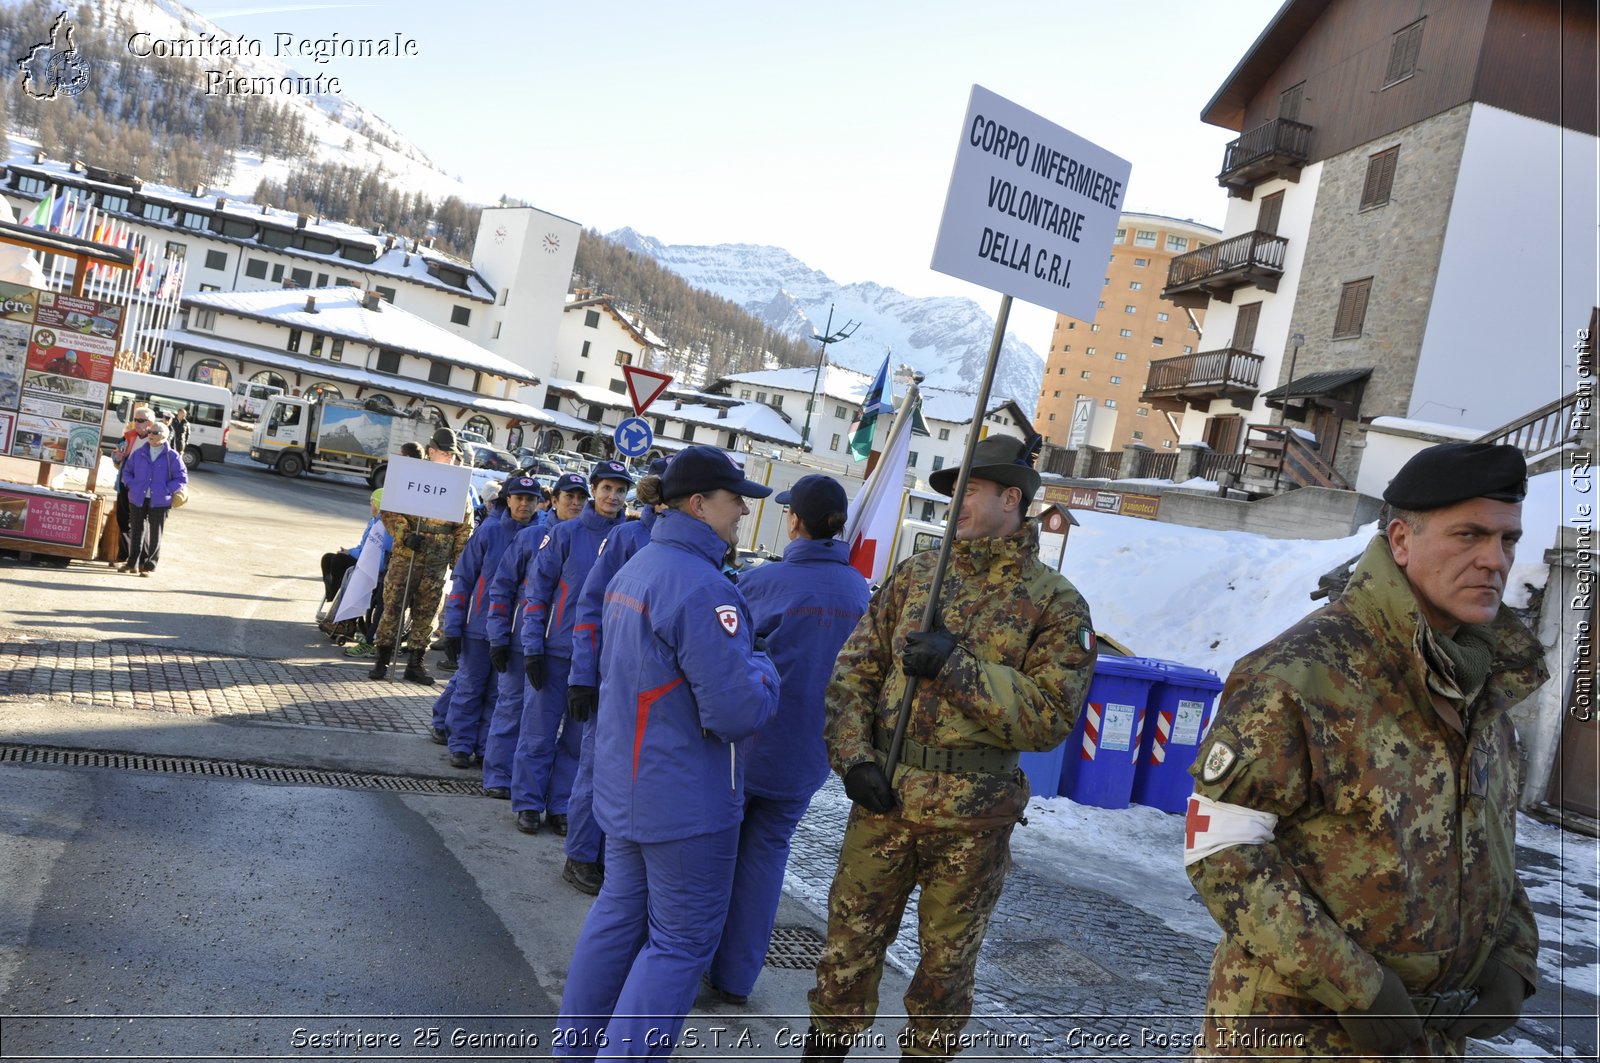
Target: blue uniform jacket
(508, 586)
(555, 576)
(387, 540)
(805, 606)
(466, 608)
(683, 685)
(622, 543)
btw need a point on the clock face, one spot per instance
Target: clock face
(500, 235)
(552, 243)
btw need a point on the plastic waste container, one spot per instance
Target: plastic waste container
(1043, 771)
(1098, 759)
(1182, 700)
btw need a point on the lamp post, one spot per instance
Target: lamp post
(826, 337)
(1299, 339)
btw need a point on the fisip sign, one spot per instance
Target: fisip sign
(420, 488)
(1032, 208)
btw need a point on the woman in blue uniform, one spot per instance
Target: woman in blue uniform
(804, 606)
(683, 685)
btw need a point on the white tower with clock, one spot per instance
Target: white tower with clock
(526, 256)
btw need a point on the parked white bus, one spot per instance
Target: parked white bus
(210, 409)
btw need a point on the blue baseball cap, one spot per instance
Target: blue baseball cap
(699, 470)
(521, 485)
(610, 470)
(572, 481)
(814, 497)
(658, 466)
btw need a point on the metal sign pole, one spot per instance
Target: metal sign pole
(931, 613)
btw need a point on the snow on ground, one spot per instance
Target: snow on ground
(1565, 893)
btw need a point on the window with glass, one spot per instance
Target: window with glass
(439, 373)
(1125, 333)
(460, 315)
(1144, 237)
(294, 340)
(1177, 243)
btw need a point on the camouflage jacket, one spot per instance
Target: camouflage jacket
(1395, 797)
(442, 540)
(1016, 680)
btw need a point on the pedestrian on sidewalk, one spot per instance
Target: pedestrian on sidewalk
(153, 473)
(684, 683)
(424, 550)
(1004, 669)
(1353, 824)
(584, 869)
(548, 747)
(804, 606)
(180, 429)
(133, 437)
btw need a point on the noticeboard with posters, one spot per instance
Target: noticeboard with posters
(42, 516)
(57, 354)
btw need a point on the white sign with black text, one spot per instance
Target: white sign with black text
(420, 488)
(1032, 208)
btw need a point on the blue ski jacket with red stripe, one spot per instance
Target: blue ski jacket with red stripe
(621, 543)
(466, 608)
(683, 687)
(555, 576)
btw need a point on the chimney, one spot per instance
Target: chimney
(39, 156)
(77, 166)
(416, 245)
(388, 242)
(722, 413)
(428, 243)
(263, 208)
(677, 404)
(407, 262)
(199, 190)
(372, 301)
(222, 201)
(300, 222)
(311, 304)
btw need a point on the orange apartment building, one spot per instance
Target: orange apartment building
(1108, 359)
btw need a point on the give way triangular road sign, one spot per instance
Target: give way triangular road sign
(644, 386)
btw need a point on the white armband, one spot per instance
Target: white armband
(1212, 826)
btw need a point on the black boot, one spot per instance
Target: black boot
(822, 1048)
(380, 667)
(415, 672)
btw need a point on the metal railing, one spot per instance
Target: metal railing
(1277, 137)
(1154, 465)
(1106, 465)
(1550, 426)
(1252, 250)
(1219, 467)
(1230, 367)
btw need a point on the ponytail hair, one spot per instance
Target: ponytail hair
(827, 526)
(649, 490)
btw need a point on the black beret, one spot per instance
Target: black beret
(1454, 472)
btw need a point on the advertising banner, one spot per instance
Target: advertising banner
(57, 354)
(43, 518)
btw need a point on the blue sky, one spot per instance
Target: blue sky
(827, 128)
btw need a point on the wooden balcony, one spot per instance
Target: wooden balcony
(1279, 148)
(1196, 379)
(1216, 270)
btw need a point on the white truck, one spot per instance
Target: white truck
(334, 436)
(251, 398)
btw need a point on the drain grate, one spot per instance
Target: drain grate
(794, 948)
(46, 756)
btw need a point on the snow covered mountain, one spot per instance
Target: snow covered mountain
(946, 338)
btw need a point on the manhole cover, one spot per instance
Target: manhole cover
(1047, 962)
(794, 948)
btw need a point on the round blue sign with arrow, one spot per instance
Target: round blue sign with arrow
(634, 436)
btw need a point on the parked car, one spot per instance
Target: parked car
(536, 465)
(489, 464)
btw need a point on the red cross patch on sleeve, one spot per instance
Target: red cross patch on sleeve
(728, 617)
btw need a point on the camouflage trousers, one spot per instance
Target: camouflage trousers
(883, 857)
(426, 591)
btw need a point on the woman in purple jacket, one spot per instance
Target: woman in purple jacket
(804, 606)
(684, 684)
(152, 474)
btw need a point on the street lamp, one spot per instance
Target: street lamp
(826, 337)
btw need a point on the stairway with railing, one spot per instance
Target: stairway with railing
(1555, 424)
(1279, 458)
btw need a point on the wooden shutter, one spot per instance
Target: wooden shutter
(1244, 326)
(1352, 315)
(1270, 211)
(1403, 53)
(1289, 102)
(1380, 178)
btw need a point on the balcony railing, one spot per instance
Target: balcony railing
(1278, 148)
(1217, 269)
(1229, 373)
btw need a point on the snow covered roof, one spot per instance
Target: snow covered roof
(837, 382)
(346, 373)
(751, 418)
(635, 326)
(339, 312)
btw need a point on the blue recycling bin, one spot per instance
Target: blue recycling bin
(1043, 771)
(1098, 759)
(1182, 700)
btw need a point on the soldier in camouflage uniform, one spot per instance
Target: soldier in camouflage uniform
(1353, 825)
(423, 552)
(1006, 668)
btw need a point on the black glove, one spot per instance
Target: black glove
(1501, 992)
(413, 541)
(926, 652)
(499, 658)
(451, 646)
(867, 786)
(1388, 1025)
(581, 701)
(533, 665)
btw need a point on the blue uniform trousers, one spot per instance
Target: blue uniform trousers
(547, 753)
(769, 824)
(441, 706)
(505, 724)
(636, 968)
(473, 697)
(585, 840)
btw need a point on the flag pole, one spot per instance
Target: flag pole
(931, 613)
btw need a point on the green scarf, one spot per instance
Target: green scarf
(1470, 653)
